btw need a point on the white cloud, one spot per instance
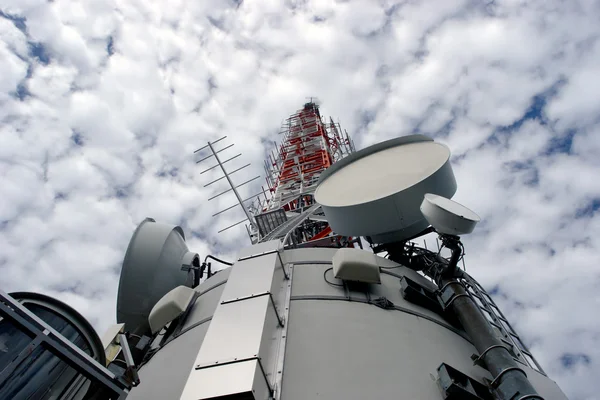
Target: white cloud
(116, 95)
(13, 68)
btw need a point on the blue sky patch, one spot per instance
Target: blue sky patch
(570, 360)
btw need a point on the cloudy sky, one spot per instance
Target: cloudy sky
(102, 104)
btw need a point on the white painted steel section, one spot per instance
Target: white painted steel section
(253, 279)
(222, 344)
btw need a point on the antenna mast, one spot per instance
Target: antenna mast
(308, 147)
(232, 187)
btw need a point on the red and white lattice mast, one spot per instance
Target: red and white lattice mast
(309, 146)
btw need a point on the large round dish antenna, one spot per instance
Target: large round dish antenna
(377, 191)
(447, 216)
(151, 268)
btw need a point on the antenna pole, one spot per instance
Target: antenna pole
(237, 195)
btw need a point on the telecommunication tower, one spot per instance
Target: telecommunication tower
(308, 148)
(303, 312)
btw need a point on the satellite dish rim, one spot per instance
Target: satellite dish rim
(376, 148)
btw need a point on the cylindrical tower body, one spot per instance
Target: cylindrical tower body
(279, 325)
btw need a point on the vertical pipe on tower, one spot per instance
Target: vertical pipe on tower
(510, 381)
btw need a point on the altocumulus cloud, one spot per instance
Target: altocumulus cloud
(103, 103)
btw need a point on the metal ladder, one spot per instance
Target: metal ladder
(282, 230)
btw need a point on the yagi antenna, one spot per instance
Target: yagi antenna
(227, 175)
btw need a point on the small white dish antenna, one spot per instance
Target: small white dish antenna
(377, 191)
(447, 216)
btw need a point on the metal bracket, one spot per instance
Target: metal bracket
(478, 360)
(455, 385)
(131, 373)
(253, 295)
(496, 382)
(510, 391)
(447, 296)
(266, 253)
(417, 294)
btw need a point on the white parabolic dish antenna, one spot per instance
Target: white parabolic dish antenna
(447, 216)
(377, 191)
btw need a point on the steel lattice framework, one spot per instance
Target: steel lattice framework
(309, 146)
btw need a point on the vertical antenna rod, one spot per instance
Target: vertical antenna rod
(237, 195)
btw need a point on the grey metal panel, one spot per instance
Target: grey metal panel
(259, 248)
(334, 346)
(244, 331)
(238, 331)
(345, 350)
(165, 375)
(244, 377)
(251, 276)
(204, 307)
